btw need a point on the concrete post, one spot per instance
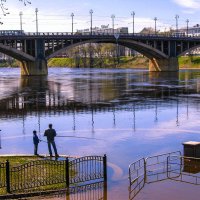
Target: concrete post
(164, 65)
(36, 68)
(39, 66)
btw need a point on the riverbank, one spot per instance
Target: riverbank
(124, 62)
(185, 62)
(189, 62)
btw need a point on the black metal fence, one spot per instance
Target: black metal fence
(42, 173)
(2, 175)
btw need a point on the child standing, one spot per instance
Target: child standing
(35, 142)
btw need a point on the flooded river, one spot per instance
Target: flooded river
(125, 114)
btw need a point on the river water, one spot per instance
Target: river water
(123, 113)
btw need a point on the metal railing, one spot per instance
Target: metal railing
(137, 174)
(87, 169)
(169, 166)
(2, 175)
(149, 170)
(36, 175)
(78, 34)
(156, 167)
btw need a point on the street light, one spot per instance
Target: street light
(133, 14)
(113, 23)
(36, 15)
(20, 15)
(187, 21)
(72, 15)
(177, 17)
(155, 19)
(91, 12)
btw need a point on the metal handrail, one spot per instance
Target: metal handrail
(74, 35)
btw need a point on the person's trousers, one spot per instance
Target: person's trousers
(35, 149)
(54, 147)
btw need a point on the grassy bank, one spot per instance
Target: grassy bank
(185, 62)
(189, 62)
(124, 62)
(9, 63)
(19, 160)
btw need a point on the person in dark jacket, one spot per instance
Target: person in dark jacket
(35, 142)
(51, 134)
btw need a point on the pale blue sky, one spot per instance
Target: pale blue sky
(54, 15)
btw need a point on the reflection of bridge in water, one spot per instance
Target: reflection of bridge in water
(38, 96)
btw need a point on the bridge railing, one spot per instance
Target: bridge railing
(77, 34)
(110, 34)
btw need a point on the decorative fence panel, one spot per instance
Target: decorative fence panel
(39, 175)
(86, 169)
(137, 174)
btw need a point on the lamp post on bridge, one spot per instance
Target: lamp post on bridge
(155, 19)
(177, 17)
(91, 13)
(187, 21)
(113, 23)
(133, 15)
(72, 15)
(36, 15)
(20, 15)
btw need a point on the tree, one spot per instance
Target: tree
(5, 9)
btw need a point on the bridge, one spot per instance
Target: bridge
(34, 49)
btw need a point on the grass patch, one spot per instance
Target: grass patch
(108, 62)
(19, 160)
(189, 61)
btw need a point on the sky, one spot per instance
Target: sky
(55, 15)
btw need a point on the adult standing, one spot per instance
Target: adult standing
(51, 134)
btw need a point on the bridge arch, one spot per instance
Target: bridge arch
(14, 53)
(146, 50)
(189, 50)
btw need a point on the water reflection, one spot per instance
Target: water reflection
(162, 168)
(39, 95)
(93, 191)
(133, 113)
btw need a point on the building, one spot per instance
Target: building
(104, 29)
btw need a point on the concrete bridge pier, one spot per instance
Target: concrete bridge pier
(38, 65)
(34, 68)
(164, 65)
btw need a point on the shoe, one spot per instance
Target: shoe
(56, 155)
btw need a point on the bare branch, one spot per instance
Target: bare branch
(4, 9)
